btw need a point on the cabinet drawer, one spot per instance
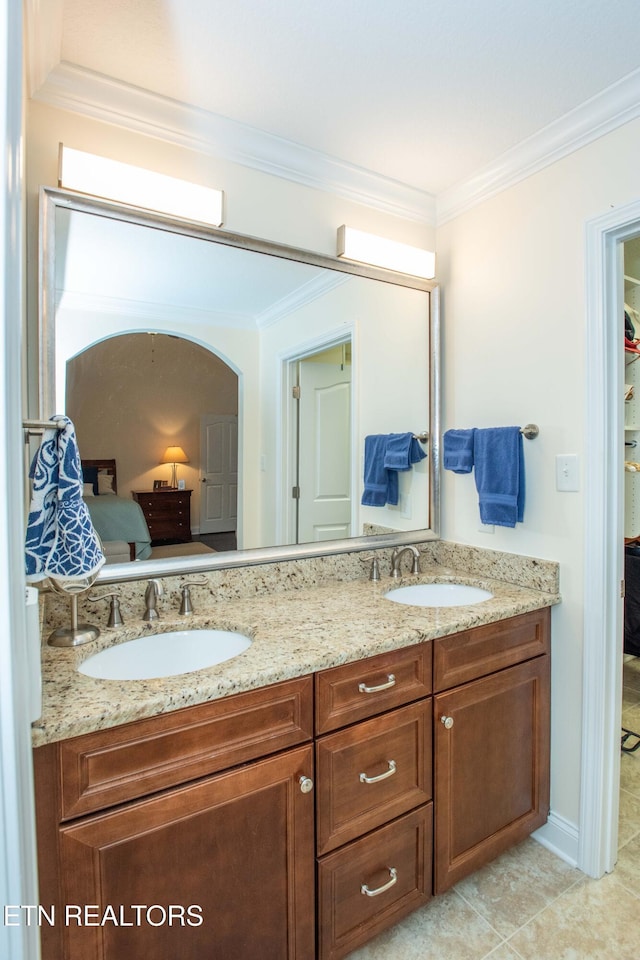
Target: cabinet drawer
(347, 915)
(365, 688)
(483, 650)
(372, 772)
(101, 769)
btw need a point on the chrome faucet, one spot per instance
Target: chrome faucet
(153, 591)
(397, 555)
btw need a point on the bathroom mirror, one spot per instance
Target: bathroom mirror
(172, 308)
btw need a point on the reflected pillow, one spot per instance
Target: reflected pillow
(105, 484)
(90, 475)
(87, 490)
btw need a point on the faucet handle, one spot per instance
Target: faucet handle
(115, 616)
(374, 572)
(186, 607)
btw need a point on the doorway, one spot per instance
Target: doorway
(320, 461)
(218, 473)
(604, 525)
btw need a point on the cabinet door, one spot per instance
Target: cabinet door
(237, 846)
(491, 746)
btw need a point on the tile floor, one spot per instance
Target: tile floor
(531, 905)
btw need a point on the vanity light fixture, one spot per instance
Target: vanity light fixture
(380, 252)
(174, 456)
(137, 187)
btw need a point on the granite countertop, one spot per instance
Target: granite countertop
(294, 633)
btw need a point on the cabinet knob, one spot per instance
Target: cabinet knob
(447, 722)
(306, 784)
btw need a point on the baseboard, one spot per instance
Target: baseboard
(561, 837)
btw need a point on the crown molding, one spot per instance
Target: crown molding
(69, 87)
(616, 105)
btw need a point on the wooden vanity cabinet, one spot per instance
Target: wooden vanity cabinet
(373, 796)
(428, 762)
(491, 741)
(225, 860)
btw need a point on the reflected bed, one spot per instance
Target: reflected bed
(114, 517)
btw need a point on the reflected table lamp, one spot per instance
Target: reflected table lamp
(174, 456)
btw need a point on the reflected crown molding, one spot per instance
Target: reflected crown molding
(312, 290)
(150, 312)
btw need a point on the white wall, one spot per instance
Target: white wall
(512, 271)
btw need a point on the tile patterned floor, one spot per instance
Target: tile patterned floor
(530, 905)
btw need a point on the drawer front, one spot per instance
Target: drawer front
(371, 883)
(477, 653)
(160, 529)
(101, 769)
(372, 772)
(365, 688)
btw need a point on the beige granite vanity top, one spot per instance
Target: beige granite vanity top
(294, 633)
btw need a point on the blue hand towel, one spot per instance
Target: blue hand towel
(380, 484)
(402, 451)
(457, 450)
(61, 541)
(499, 475)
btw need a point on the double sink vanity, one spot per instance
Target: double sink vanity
(357, 757)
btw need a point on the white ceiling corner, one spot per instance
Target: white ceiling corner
(435, 156)
(609, 109)
(43, 30)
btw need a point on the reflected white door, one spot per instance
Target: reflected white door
(324, 505)
(219, 466)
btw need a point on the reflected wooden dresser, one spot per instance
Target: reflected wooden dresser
(167, 512)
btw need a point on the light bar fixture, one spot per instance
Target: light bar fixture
(380, 252)
(137, 187)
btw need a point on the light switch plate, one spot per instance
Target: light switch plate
(567, 473)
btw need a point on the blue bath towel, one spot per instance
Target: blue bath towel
(499, 474)
(380, 484)
(403, 450)
(61, 542)
(457, 450)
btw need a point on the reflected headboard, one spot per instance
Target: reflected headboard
(104, 466)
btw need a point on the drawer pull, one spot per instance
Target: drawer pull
(391, 682)
(393, 874)
(381, 776)
(447, 722)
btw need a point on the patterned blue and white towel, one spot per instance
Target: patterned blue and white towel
(61, 541)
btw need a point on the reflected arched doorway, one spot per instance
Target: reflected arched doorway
(133, 395)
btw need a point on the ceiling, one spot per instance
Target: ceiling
(425, 104)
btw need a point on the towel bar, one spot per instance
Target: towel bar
(530, 431)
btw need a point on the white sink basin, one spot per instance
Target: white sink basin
(438, 595)
(165, 654)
